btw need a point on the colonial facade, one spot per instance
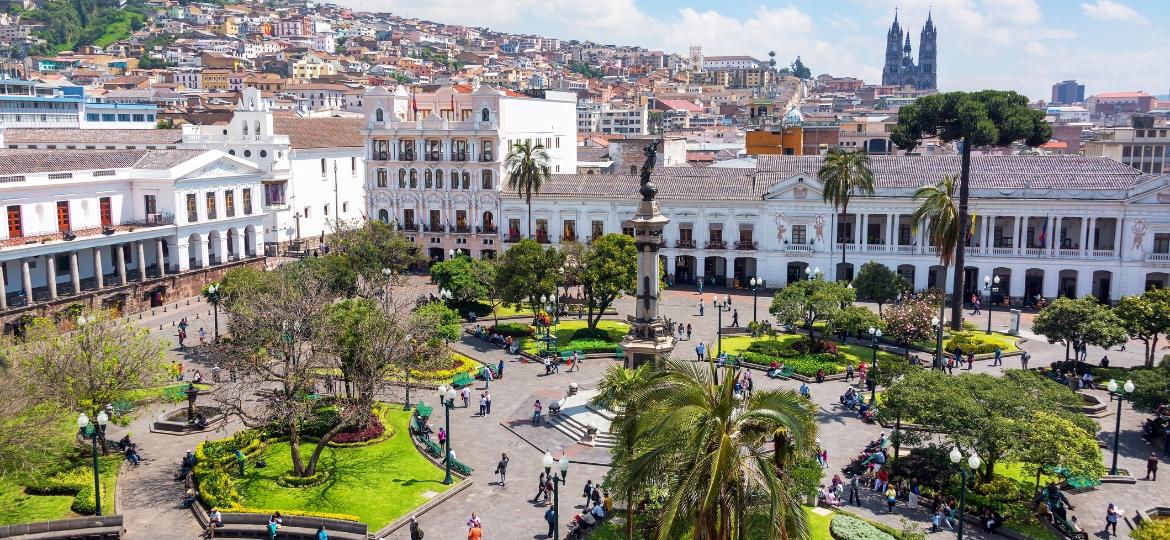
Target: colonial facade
(1047, 226)
(112, 227)
(436, 160)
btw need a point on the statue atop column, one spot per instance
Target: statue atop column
(649, 190)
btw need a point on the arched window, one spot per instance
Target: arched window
(413, 178)
(383, 216)
(454, 179)
(438, 178)
(382, 178)
(379, 115)
(232, 152)
(489, 223)
(402, 178)
(487, 180)
(428, 179)
(466, 180)
(485, 115)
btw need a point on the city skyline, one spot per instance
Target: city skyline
(1024, 45)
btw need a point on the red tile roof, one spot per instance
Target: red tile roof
(329, 132)
(1117, 95)
(679, 105)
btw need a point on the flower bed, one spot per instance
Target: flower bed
(371, 431)
(844, 527)
(806, 365)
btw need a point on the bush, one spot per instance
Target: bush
(843, 527)
(590, 333)
(1000, 489)
(806, 365)
(1152, 529)
(373, 430)
(971, 342)
(587, 346)
(771, 348)
(84, 502)
(289, 480)
(305, 513)
(513, 329)
(815, 346)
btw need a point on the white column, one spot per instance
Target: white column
(26, 278)
(51, 275)
(1117, 223)
(204, 252)
(74, 272)
(862, 225)
(97, 268)
(985, 239)
(120, 262)
(183, 252)
(222, 249)
(891, 224)
(1086, 237)
(161, 256)
(1053, 237)
(239, 245)
(1021, 230)
(141, 261)
(3, 288)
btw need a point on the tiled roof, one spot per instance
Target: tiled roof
(592, 153)
(686, 183)
(331, 132)
(93, 136)
(1118, 95)
(679, 105)
(165, 159)
(18, 162)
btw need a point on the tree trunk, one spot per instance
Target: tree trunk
(1153, 351)
(528, 199)
(321, 444)
(844, 210)
(960, 245)
(832, 237)
(630, 514)
(294, 444)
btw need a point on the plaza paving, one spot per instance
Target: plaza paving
(150, 499)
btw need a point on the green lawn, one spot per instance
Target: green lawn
(16, 506)
(565, 330)
(393, 470)
(818, 525)
(850, 353)
(509, 311)
(1006, 341)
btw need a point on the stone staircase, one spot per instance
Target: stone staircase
(576, 423)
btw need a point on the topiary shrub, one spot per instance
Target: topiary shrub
(512, 329)
(771, 348)
(971, 342)
(84, 502)
(843, 527)
(1000, 488)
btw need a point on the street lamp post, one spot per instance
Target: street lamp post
(563, 464)
(973, 462)
(720, 307)
(1128, 388)
(938, 360)
(447, 399)
(213, 297)
(93, 432)
(755, 295)
(991, 285)
(875, 335)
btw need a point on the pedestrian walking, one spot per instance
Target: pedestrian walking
(500, 370)
(950, 365)
(998, 356)
(729, 300)
(442, 436)
(700, 307)
(891, 498)
(1152, 467)
(488, 402)
(548, 489)
(202, 336)
(700, 351)
(588, 491)
(1024, 359)
(734, 317)
(970, 360)
(688, 331)
(416, 532)
(700, 294)
(849, 372)
(1111, 515)
(536, 411)
(466, 395)
(853, 490)
(502, 468)
(539, 488)
(482, 405)
(182, 336)
(551, 517)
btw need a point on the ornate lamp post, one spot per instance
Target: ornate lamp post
(93, 432)
(938, 329)
(563, 464)
(875, 335)
(973, 462)
(755, 283)
(720, 307)
(991, 285)
(213, 297)
(447, 399)
(1128, 388)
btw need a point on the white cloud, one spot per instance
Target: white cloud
(1036, 48)
(1108, 10)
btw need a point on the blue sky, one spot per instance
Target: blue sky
(1024, 45)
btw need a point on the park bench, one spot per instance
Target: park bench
(89, 528)
(461, 379)
(423, 410)
(460, 467)
(1067, 529)
(787, 372)
(433, 448)
(239, 525)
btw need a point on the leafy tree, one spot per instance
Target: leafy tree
(876, 282)
(1144, 317)
(95, 364)
(487, 273)
(1078, 322)
(856, 320)
(617, 391)
(528, 167)
(845, 174)
(336, 271)
(528, 271)
(609, 267)
(799, 69)
(991, 415)
(444, 320)
(810, 301)
(910, 321)
(988, 117)
(462, 277)
(372, 246)
(707, 450)
(1053, 441)
(238, 282)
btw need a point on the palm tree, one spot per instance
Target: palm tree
(708, 449)
(940, 207)
(617, 392)
(844, 174)
(528, 168)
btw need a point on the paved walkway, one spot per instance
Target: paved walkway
(150, 496)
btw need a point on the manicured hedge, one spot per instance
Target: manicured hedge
(806, 365)
(844, 527)
(512, 329)
(587, 346)
(972, 342)
(1151, 529)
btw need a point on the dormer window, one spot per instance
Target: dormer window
(485, 115)
(379, 115)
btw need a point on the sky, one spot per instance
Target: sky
(1022, 45)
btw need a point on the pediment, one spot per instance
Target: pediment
(795, 187)
(221, 168)
(1154, 195)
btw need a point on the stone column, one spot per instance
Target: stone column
(1117, 223)
(183, 252)
(1054, 238)
(51, 275)
(1021, 227)
(74, 272)
(26, 278)
(161, 256)
(97, 268)
(120, 262)
(240, 245)
(204, 252)
(141, 261)
(891, 224)
(862, 239)
(1086, 236)
(222, 249)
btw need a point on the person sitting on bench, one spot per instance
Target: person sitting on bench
(214, 521)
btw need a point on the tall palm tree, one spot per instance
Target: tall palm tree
(617, 392)
(708, 449)
(844, 174)
(941, 208)
(528, 168)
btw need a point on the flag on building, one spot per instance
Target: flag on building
(1043, 234)
(971, 229)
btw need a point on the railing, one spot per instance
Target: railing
(874, 247)
(849, 247)
(433, 227)
(930, 250)
(487, 230)
(1158, 257)
(406, 156)
(1003, 251)
(461, 156)
(409, 227)
(1068, 253)
(1034, 252)
(906, 249)
(512, 237)
(747, 245)
(434, 156)
(685, 244)
(542, 238)
(568, 238)
(462, 230)
(716, 244)
(798, 248)
(1103, 253)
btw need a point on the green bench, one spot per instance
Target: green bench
(461, 379)
(460, 467)
(123, 407)
(1067, 529)
(432, 447)
(423, 410)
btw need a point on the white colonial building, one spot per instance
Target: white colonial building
(111, 227)
(1045, 225)
(436, 160)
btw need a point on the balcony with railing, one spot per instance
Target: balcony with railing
(1158, 257)
(568, 237)
(409, 227)
(513, 237)
(1034, 252)
(1068, 253)
(44, 237)
(906, 249)
(747, 245)
(433, 155)
(798, 248)
(542, 238)
(462, 229)
(685, 244)
(460, 155)
(716, 244)
(487, 229)
(1102, 253)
